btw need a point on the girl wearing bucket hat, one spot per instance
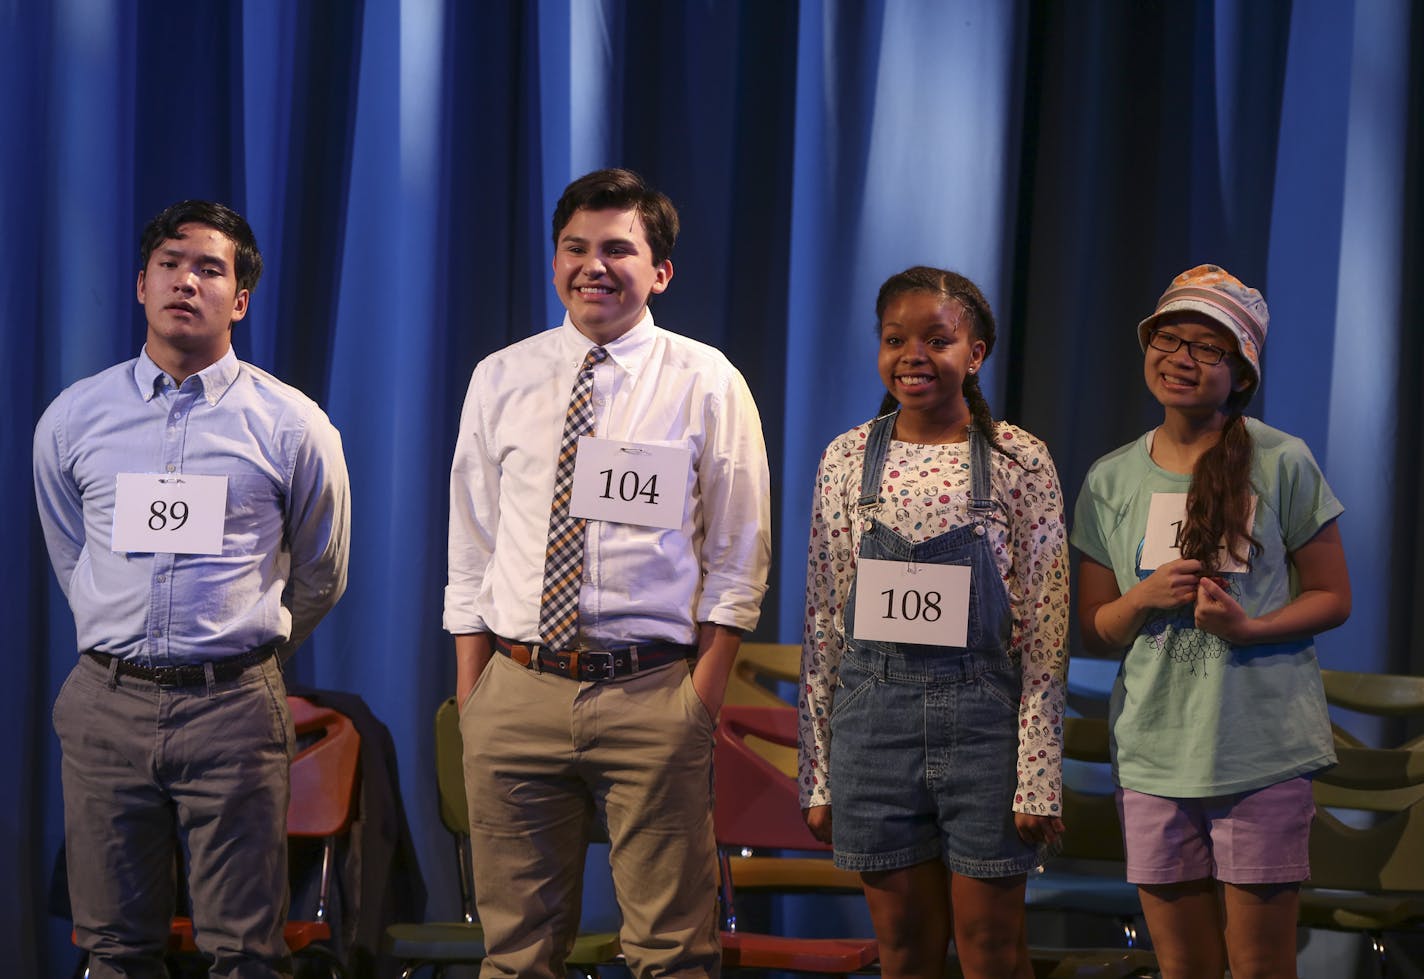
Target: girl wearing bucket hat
(933, 664)
(1211, 558)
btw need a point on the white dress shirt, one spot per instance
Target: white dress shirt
(641, 584)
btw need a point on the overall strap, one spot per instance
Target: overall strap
(877, 444)
(981, 497)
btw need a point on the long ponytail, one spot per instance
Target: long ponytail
(1219, 501)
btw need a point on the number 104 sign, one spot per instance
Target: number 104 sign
(630, 482)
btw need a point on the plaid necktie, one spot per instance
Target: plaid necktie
(563, 561)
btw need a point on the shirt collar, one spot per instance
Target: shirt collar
(629, 351)
(216, 378)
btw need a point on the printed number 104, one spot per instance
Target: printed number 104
(631, 486)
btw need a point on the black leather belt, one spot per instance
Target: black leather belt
(188, 674)
(592, 665)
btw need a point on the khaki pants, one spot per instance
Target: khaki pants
(544, 757)
(147, 768)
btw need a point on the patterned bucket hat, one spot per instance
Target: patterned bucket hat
(1218, 295)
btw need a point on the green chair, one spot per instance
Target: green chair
(1088, 873)
(438, 944)
(1376, 694)
(1368, 878)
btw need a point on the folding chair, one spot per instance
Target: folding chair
(759, 667)
(1088, 874)
(1376, 694)
(757, 807)
(324, 772)
(438, 944)
(1368, 879)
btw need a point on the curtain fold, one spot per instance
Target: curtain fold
(400, 159)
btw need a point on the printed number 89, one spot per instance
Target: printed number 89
(161, 514)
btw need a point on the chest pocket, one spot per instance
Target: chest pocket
(254, 514)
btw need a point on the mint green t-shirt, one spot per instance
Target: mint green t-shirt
(1191, 714)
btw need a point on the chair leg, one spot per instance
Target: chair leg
(1377, 946)
(1129, 931)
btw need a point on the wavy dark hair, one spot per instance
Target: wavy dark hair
(622, 189)
(1219, 501)
(951, 285)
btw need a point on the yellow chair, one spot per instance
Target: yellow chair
(438, 944)
(758, 668)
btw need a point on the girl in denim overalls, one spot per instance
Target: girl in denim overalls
(931, 709)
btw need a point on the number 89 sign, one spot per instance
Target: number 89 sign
(630, 482)
(915, 603)
(176, 514)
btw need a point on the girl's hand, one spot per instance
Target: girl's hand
(1221, 615)
(1172, 585)
(818, 818)
(1036, 830)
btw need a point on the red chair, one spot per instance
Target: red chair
(757, 807)
(324, 774)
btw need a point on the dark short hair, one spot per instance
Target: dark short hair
(219, 217)
(621, 189)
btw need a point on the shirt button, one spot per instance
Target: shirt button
(157, 633)
(162, 578)
(170, 467)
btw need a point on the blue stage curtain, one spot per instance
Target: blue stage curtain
(399, 162)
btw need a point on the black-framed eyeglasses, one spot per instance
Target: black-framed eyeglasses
(1206, 354)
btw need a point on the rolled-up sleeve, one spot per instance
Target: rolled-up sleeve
(474, 516)
(735, 488)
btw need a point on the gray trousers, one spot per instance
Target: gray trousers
(205, 768)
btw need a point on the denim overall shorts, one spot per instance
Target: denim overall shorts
(924, 738)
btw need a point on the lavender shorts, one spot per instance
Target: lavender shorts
(1256, 837)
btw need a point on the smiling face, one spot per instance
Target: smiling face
(604, 272)
(1180, 383)
(190, 297)
(927, 347)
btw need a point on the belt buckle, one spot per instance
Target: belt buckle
(611, 668)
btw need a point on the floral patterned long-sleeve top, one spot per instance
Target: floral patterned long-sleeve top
(927, 490)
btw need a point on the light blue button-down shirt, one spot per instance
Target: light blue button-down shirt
(286, 528)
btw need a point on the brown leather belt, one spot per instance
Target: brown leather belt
(187, 674)
(594, 665)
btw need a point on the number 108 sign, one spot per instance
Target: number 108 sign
(916, 603)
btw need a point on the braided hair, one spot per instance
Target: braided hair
(951, 285)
